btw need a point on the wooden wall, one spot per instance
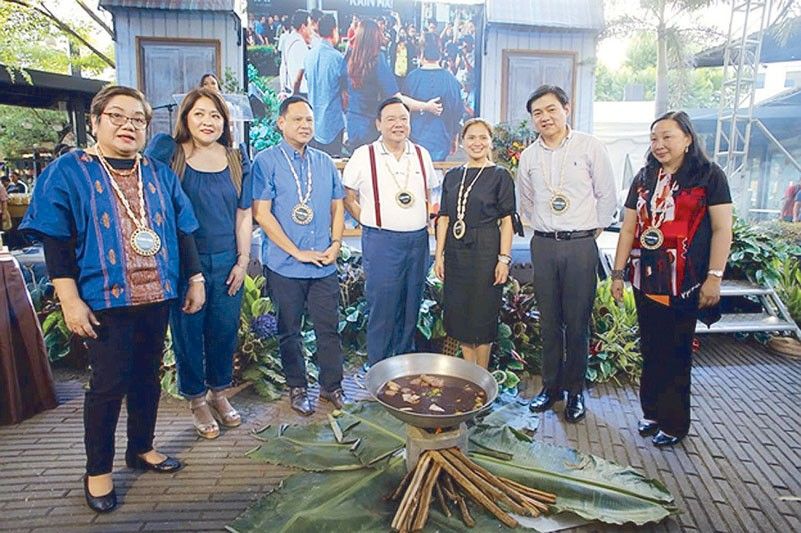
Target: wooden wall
(506, 37)
(160, 23)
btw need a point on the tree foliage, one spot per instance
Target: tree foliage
(674, 32)
(690, 88)
(23, 129)
(32, 39)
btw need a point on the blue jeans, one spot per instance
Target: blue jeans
(395, 266)
(205, 342)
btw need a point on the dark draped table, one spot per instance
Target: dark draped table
(26, 383)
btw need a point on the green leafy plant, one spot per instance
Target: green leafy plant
(509, 141)
(789, 286)
(352, 326)
(265, 59)
(755, 254)
(263, 130)
(230, 83)
(259, 358)
(518, 348)
(169, 377)
(615, 343)
(56, 336)
(430, 320)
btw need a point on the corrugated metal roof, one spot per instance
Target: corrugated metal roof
(195, 5)
(583, 15)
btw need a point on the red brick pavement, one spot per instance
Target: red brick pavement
(742, 455)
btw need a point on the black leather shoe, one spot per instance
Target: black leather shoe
(336, 397)
(545, 399)
(299, 401)
(99, 504)
(647, 428)
(661, 440)
(168, 465)
(575, 410)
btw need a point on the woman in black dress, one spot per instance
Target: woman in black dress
(474, 240)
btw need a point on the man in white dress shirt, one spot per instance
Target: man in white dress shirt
(293, 54)
(566, 191)
(395, 252)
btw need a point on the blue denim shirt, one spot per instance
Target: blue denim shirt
(325, 73)
(73, 198)
(272, 180)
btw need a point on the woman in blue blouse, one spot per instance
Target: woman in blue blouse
(371, 81)
(114, 225)
(216, 178)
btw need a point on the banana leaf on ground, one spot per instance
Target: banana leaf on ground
(344, 483)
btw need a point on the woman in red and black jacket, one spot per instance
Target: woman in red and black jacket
(676, 238)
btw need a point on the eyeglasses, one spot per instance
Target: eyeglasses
(118, 119)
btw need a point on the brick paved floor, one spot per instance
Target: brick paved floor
(742, 456)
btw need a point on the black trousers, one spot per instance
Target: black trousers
(666, 338)
(125, 361)
(565, 276)
(320, 297)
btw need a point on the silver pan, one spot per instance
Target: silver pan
(430, 363)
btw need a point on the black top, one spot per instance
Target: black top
(491, 198)
(62, 262)
(696, 244)
(713, 179)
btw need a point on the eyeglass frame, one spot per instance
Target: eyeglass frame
(127, 119)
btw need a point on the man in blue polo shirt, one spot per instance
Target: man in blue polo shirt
(298, 203)
(325, 76)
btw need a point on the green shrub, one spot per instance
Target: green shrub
(265, 59)
(755, 254)
(615, 343)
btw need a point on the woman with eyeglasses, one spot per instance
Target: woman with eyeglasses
(216, 178)
(114, 225)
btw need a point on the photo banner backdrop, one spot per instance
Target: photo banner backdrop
(423, 50)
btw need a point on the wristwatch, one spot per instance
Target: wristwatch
(505, 259)
(717, 273)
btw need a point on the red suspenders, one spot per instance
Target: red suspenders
(374, 175)
(425, 180)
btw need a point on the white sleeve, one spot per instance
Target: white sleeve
(524, 189)
(603, 184)
(352, 174)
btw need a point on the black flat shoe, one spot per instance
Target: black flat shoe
(299, 401)
(168, 465)
(647, 428)
(99, 504)
(545, 399)
(575, 409)
(661, 440)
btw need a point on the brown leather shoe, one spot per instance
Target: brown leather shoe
(299, 401)
(336, 397)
